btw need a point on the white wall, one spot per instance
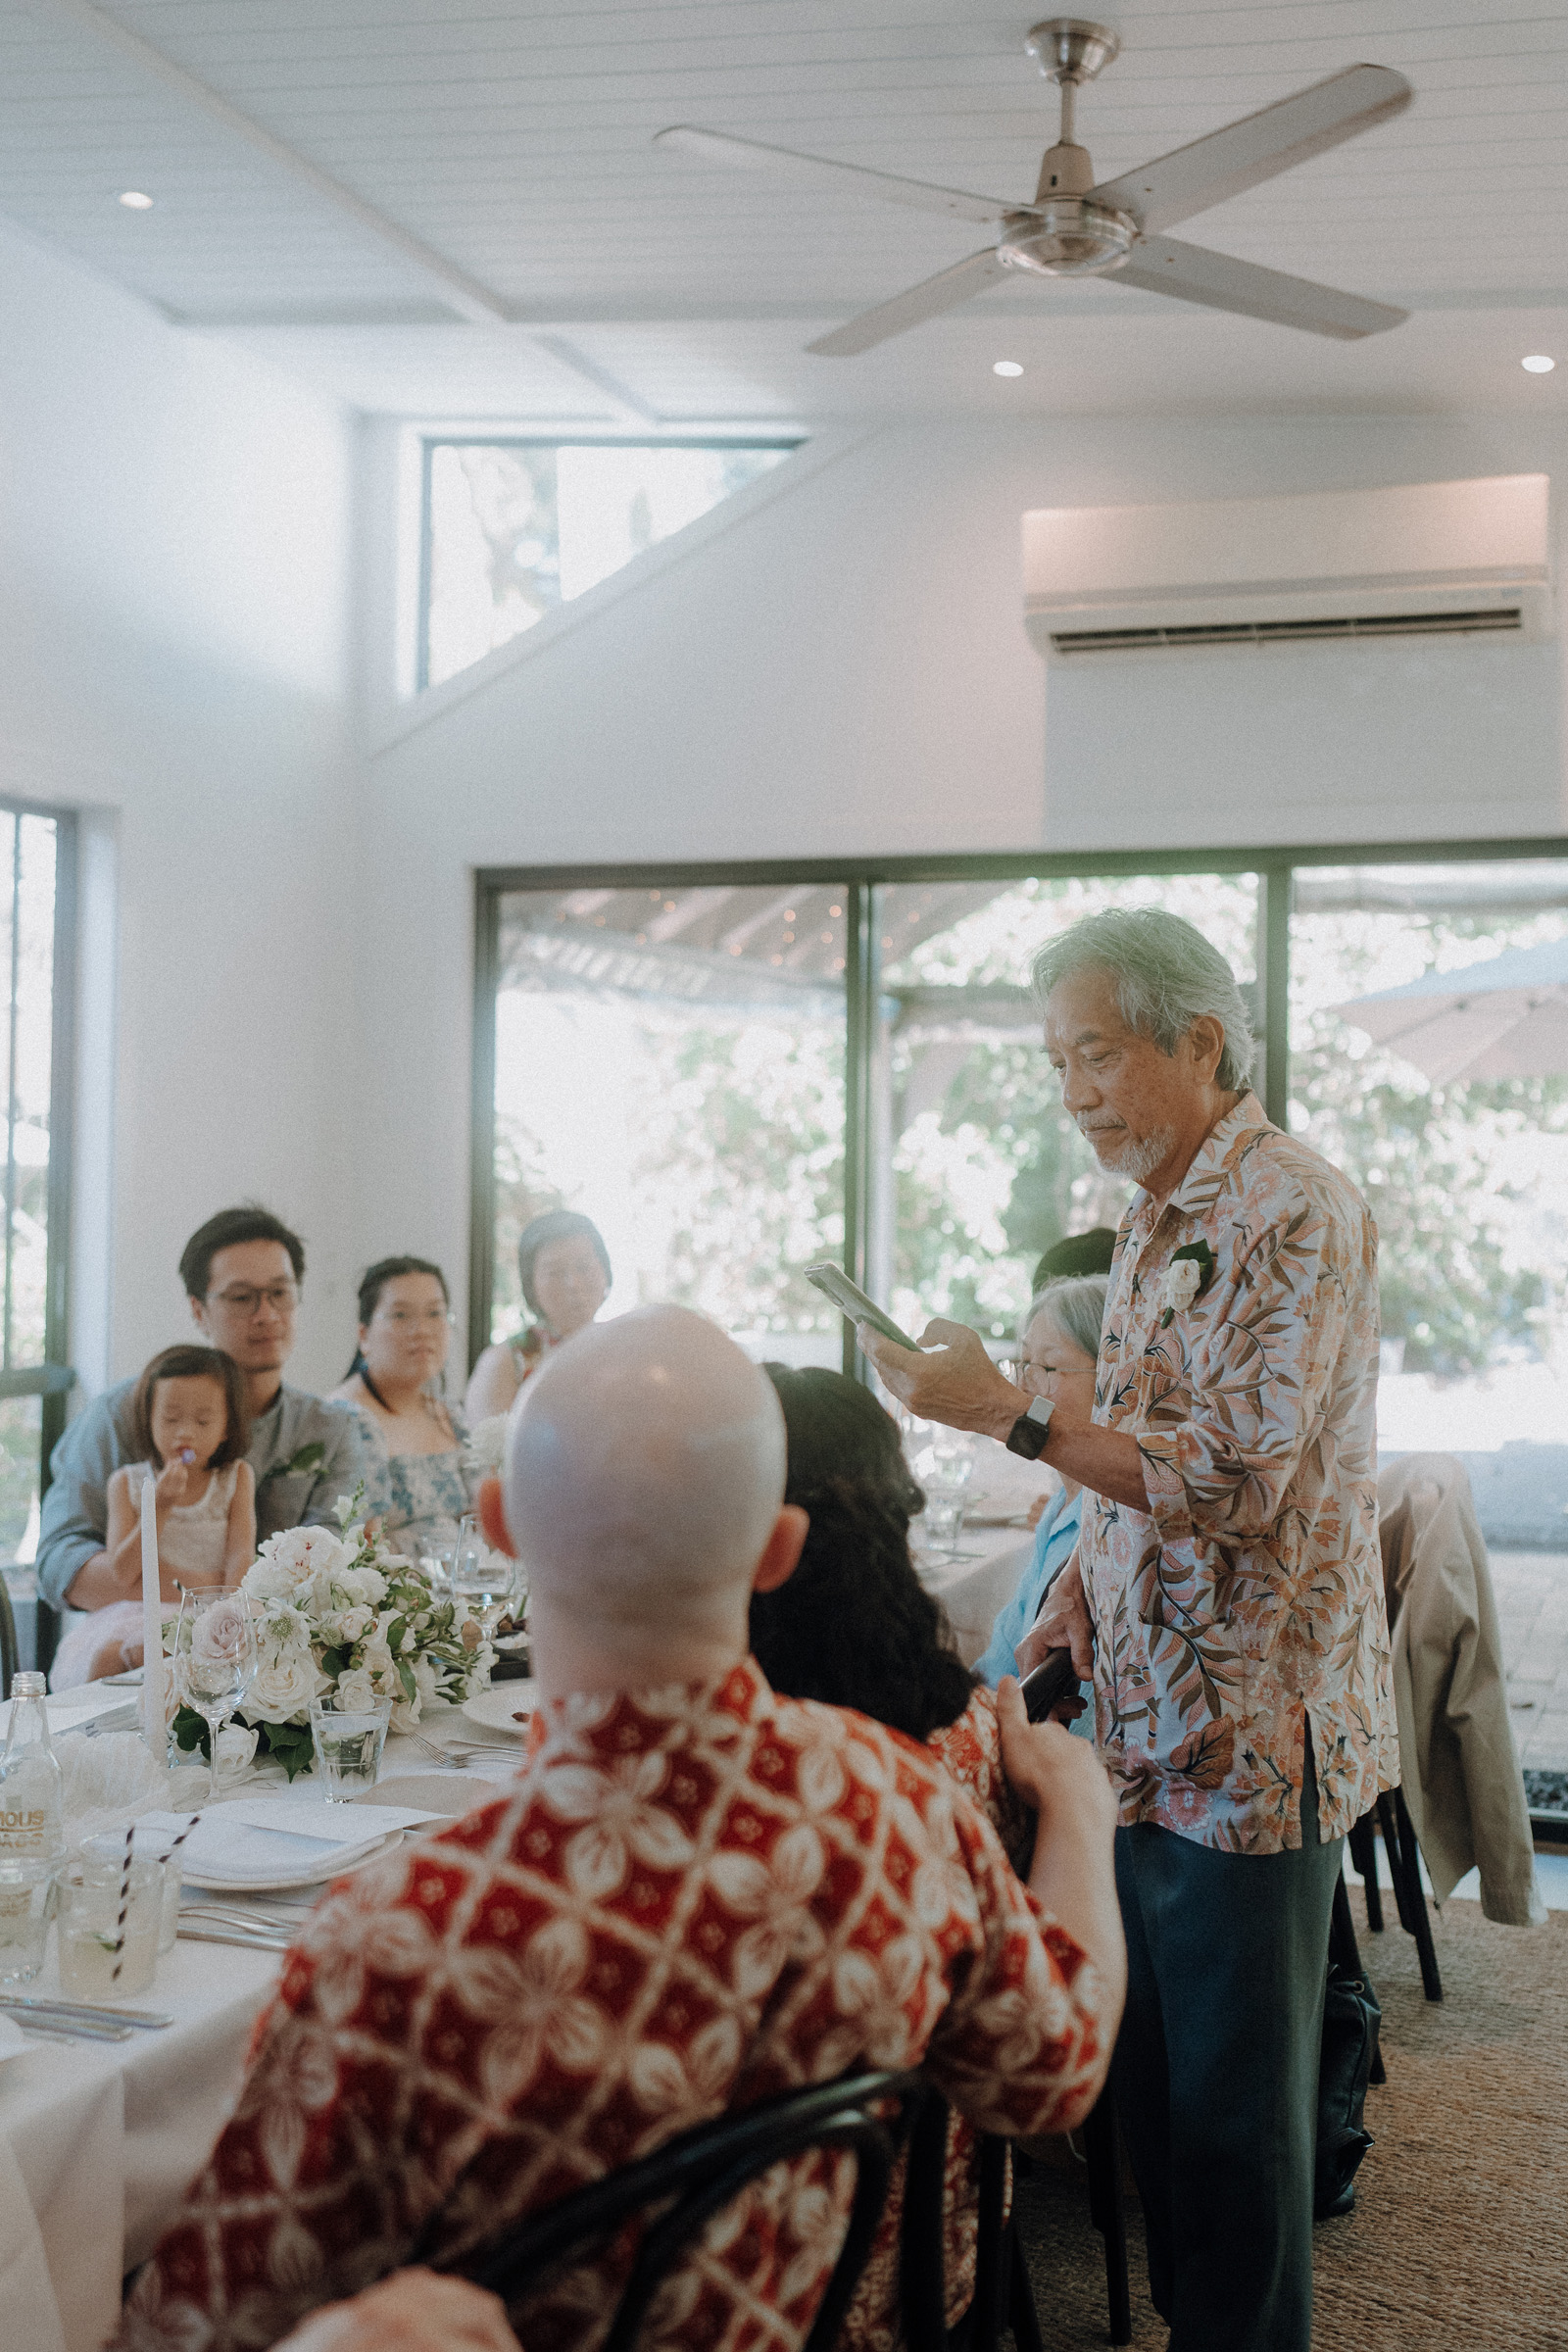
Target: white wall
(174, 534)
(839, 664)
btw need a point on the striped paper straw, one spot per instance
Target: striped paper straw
(125, 1904)
(172, 1851)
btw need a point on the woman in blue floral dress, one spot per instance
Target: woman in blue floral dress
(421, 1487)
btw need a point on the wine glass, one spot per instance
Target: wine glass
(215, 1645)
(482, 1579)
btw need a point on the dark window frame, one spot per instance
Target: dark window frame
(430, 442)
(862, 877)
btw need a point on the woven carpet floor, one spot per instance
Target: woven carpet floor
(1460, 2233)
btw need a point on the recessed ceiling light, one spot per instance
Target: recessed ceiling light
(1005, 368)
(1539, 364)
(135, 202)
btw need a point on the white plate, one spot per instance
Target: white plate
(215, 1884)
(495, 1709)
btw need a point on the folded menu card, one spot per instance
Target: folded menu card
(276, 1836)
(70, 1709)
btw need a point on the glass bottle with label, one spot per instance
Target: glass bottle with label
(31, 1810)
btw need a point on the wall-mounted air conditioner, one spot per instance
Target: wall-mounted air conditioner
(1424, 558)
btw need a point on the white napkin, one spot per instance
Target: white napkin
(73, 1707)
(277, 1836)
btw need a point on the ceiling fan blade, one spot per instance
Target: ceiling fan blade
(718, 147)
(1194, 274)
(944, 292)
(1192, 178)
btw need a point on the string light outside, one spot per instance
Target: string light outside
(1538, 364)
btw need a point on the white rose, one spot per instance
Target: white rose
(1182, 1277)
(487, 1444)
(236, 1745)
(355, 1622)
(355, 1690)
(284, 1687)
(425, 1679)
(365, 1587)
(301, 1554)
(267, 1581)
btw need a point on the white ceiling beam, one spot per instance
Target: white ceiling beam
(465, 294)
(601, 379)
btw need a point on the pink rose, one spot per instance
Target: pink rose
(220, 1633)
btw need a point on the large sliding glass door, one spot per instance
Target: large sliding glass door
(672, 1062)
(1454, 1125)
(736, 1070)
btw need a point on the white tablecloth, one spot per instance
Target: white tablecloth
(98, 2140)
(979, 1582)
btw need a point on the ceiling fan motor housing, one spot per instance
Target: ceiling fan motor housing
(1068, 236)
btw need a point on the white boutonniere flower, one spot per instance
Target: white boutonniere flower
(1186, 1277)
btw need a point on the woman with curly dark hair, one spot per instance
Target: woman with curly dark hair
(855, 1626)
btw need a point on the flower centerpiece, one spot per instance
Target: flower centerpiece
(343, 1612)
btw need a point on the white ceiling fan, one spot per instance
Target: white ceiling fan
(1073, 229)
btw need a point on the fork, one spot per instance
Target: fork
(460, 1754)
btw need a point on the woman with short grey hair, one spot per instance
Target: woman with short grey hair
(1167, 977)
(1059, 1343)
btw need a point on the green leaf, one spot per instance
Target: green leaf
(309, 1459)
(289, 1742)
(410, 1689)
(190, 1730)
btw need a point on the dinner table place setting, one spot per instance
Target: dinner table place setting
(108, 2104)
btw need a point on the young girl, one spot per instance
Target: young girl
(189, 1425)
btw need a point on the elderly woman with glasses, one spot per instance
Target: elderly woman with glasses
(1058, 1347)
(396, 1381)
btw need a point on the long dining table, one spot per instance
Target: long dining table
(98, 2140)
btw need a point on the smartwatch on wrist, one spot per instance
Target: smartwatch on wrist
(1029, 1432)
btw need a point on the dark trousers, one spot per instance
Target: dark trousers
(1215, 2076)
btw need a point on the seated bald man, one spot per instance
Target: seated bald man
(697, 1894)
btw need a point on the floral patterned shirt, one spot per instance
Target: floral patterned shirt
(694, 1897)
(1248, 1601)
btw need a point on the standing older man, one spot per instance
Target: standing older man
(1227, 1598)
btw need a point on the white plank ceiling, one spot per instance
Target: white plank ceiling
(512, 138)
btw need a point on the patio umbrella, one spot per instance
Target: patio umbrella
(1506, 1017)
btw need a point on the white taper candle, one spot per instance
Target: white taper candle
(154, 1731)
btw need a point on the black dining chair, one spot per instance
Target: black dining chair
(1392, 1815)
(694, 2175)
(1002, 2295)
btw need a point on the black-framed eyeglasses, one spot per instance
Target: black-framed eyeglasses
(243, 1300)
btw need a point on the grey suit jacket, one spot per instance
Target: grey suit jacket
(98, 1441)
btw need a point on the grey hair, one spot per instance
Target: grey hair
(1076, 1303)
(1167, 977)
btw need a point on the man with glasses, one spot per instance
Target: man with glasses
(242, 1272)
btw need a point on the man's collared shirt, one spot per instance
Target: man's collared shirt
(693, 1899)
(304, 1451)
(1248, 1601)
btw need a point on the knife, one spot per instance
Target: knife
(152, 2020)
(243, 1936)
(49, 2020)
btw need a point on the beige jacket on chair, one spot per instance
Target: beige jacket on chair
(1460, 1766)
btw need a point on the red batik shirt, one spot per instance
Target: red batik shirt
(695, 1897)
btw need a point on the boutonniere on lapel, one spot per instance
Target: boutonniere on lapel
(1186, 1277)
